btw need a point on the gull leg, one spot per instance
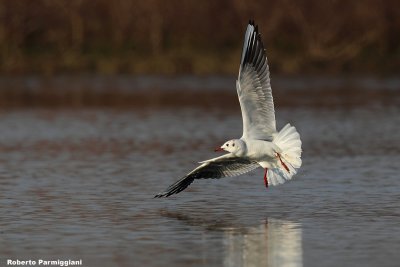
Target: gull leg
(283, 163)
(266, 178)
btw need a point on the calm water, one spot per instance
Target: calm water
(78, 184)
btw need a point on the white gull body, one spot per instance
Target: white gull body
(261, 145)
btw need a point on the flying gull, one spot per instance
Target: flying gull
(261, 145)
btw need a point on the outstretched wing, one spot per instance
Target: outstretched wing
(215, 169)
(254, 88)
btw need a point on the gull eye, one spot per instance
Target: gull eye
(227, 144)
(233, 144)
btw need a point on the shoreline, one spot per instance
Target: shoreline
(123, 91)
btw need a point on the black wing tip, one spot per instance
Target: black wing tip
(254, 48)
(252, 23)
(164, 194)
(176, 188)
(160, 195)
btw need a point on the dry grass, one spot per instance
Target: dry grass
(174, 37)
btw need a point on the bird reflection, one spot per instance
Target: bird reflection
(275, 243)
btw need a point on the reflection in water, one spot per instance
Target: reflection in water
(80, 183)
(275, 243)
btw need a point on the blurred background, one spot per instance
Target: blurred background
(103, 104)
(100, 47)
(188, 37)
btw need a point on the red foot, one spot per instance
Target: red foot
(283, 163)
(266, 178)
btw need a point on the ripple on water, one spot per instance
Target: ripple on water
(80, 183)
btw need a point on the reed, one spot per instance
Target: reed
(200, 37)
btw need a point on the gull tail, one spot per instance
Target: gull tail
(176, 187)
(288, 140)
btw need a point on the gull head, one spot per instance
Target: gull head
(235, 146)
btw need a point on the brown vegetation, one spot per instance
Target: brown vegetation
(173, 37)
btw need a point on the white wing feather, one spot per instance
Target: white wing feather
(254, 89)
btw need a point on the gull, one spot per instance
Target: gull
(261, 145)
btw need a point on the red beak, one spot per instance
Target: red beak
(218, 149)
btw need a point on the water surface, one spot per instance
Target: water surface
(79, 184)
